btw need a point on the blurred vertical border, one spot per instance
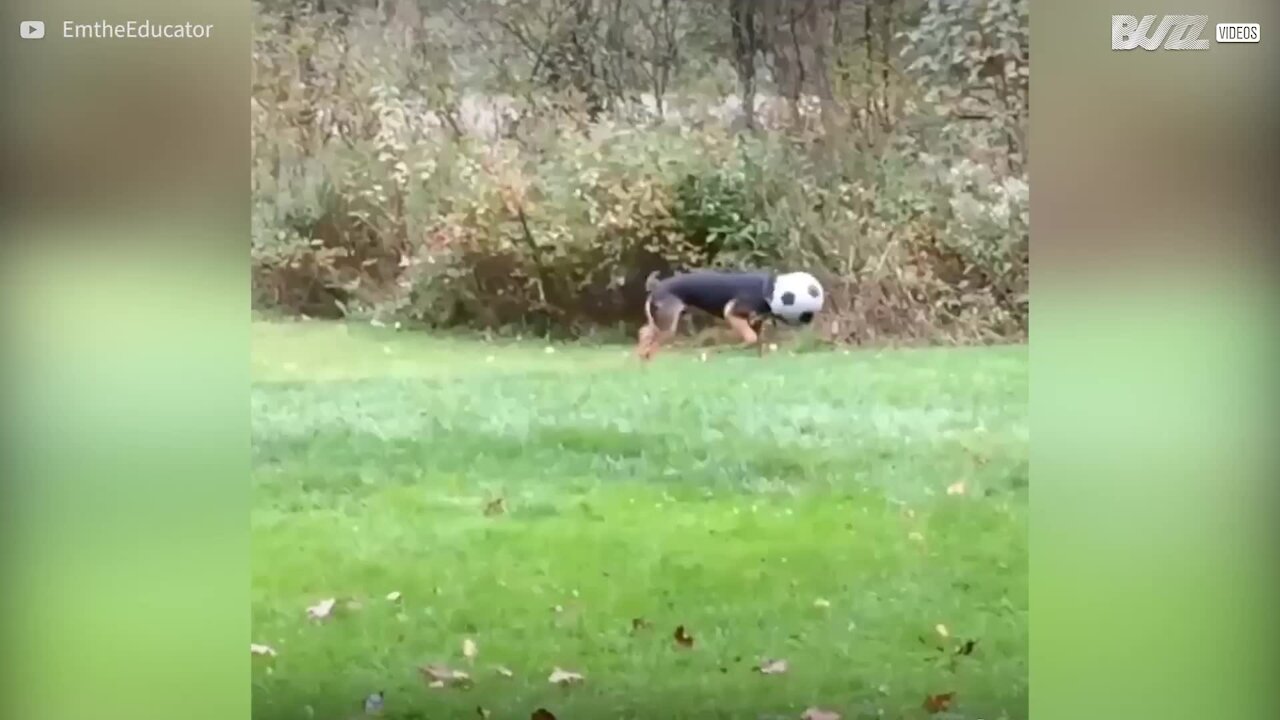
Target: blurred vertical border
(1155, 544)
(125, 346)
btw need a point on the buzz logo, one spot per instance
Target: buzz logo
(1175, 32)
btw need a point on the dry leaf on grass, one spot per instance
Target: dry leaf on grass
(469, 649)
(772, 667)
(682, 637)
(503, 671)
(564, 677)
(939, 703)
(820, 714)
(495, 507)
(263, 650)
(322, 610)
(542, 714)
(438, 676)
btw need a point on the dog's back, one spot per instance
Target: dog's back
(711, 291)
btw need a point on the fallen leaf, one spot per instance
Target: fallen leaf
(564, 677)
(265, 650)
(942, 630)
(393, 596)
(495, 507)
(683, 638)
(821, 603)
(469, 649)
(484, 714)
(503, 671)
(939, 703)
(820, 714)
(956, 488)
(439, 676)
(772, 667)
(373, 703)
(542, 714)
(322, 609)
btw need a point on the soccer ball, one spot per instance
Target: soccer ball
(797, 297)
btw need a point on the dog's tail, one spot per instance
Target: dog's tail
(651, 282)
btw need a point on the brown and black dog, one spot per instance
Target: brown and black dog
(741, 298)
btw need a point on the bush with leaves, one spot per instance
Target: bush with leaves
(381, 189)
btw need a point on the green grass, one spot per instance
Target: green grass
(730, 496)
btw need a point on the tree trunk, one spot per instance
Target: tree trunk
(797, 79)
(868, 35)
(821, 31)
(886, 56)
(742, 17)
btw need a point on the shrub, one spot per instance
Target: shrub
(374, 197)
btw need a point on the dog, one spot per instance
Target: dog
(741, 298)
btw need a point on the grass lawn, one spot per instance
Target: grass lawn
(792, 508)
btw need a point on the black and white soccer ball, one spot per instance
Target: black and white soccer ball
(797, 297)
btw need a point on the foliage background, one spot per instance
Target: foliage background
(522, 165)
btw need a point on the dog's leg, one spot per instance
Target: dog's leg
(743, 328)
(644, 342)
(757, 324)
(741, 325)
(664, 316)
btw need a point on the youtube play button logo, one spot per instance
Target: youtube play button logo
(31, 29)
